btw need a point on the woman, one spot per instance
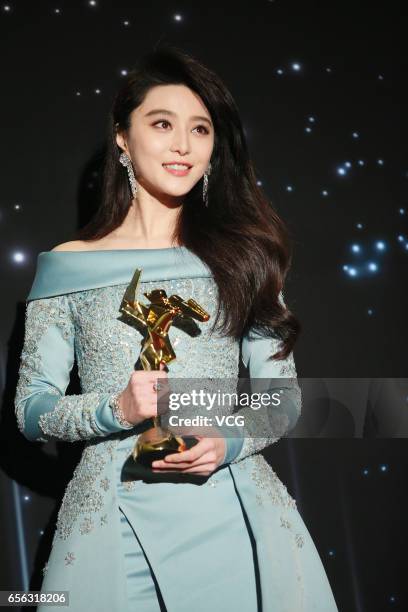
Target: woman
(203, 230)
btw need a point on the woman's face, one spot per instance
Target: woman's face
(171, 125)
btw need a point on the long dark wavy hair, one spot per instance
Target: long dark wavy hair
(239, 235)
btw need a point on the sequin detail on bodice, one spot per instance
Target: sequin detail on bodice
(107, 348)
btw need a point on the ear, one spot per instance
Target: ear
(121, 142)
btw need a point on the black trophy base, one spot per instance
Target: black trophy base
(141, 469)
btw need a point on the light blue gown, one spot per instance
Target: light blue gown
(227, 545)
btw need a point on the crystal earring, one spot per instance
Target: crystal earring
(127, 162)
(205, 184)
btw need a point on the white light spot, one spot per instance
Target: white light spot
(296, 66)
(312, 119)
(380, 77)
(77, 93)
(308, 129)
(57, 10)
(17, 207)
(325, 193)
(126, 23)
(356, 135)
(361, 162)
(355, 248)
(279, 71)
(342, 171)
(402, 211)
(289, 188)
(370, 311)
(123, 72)
(380, 162)
(178, 17)
(380, 245)
(6, 8)
(401, 238)
(92, 2)
(359, 226)
(328, 69)
(18, 257)
(372, 266)
(347, 164)
(259, 183)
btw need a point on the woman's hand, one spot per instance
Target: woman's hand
(203, 458)
(139, 400)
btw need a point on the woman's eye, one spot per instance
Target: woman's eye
(163, 121)
(199, 126)
(204, 128)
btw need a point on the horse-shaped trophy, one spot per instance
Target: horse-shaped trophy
(154, 321)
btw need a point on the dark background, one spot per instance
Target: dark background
(59, 72)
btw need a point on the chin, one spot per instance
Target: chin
(175, 193)
(166, 194)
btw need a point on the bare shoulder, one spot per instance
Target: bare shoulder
(72, 245)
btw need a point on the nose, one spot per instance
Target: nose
(181, 142)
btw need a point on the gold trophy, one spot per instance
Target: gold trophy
(153, 321)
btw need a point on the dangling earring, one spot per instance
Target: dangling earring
(127, 162)
(205, 184)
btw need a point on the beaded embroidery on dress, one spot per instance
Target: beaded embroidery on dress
(106, 350)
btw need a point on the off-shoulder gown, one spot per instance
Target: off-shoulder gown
(233, 543)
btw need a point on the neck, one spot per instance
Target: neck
(149, 223)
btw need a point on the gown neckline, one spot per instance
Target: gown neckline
(62, 272)
(173, 248)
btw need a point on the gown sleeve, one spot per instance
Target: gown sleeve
(266, 425)
(43, 411)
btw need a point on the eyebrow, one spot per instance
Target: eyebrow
(163, 111)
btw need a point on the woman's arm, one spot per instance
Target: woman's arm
(42, 409)
(267, 425)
